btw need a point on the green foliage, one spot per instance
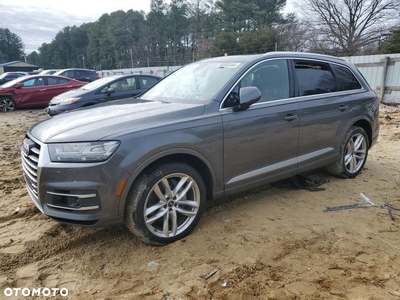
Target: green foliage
(226, 43)
(260, 41)
(174, 33)
(392, 44)
(11, 46)
(33, 58)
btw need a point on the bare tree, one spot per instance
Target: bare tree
(294, 34)
(346, 27)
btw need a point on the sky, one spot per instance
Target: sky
(38, 21)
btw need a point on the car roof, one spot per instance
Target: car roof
(130, 75)
(275, 54)
(14, 72)
(75, 69)
(43, 75)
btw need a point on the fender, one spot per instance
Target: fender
(156, 157)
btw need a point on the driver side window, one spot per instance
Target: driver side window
(270, 77)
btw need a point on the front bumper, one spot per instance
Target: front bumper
(77, 193)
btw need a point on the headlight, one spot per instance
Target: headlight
(68, 101)
(82, 152)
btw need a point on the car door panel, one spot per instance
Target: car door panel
(325, 112)
(31, 93)
(322, 125)
(260, 144)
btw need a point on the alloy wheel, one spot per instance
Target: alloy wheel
(172, 205)
(356, 151)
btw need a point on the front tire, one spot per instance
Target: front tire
(7, 104)
(353, 154)
(165, 203)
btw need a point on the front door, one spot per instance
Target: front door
(260, 143)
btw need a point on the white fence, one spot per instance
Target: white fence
(159, 71)
(382, 73)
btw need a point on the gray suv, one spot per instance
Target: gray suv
(211, 129)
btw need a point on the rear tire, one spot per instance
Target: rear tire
(7, 104)
(353, 154)
(165, 203)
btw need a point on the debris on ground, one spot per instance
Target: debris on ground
(301, 182)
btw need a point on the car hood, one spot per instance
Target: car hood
(69, 94)
(109, 120)
(4, 90)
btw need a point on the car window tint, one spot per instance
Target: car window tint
(124, 84)
(147, 82)
(29, 83)
(56, 81)
(345, 78)
(130, 83)
(270, 77)
(68, 73)
(39, 81)
(314, 78)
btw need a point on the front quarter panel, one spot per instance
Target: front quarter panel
(202, 139)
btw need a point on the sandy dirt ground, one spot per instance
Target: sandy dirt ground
(278, 242)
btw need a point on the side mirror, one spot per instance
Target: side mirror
(19, 85)
(248, 95)
(110, 91)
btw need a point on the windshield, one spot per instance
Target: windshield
(97, 83)
(195, 83)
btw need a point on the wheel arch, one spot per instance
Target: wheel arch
(10, 97)
(187, 156)
(366, 125)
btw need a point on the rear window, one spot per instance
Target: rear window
(55, 81)
(345, 78)
(314, 78)
(147, 82)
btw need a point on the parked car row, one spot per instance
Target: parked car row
(8, 76)
(34, 91)
(100, 91)
(62, 93)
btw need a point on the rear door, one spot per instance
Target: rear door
(146, 82)
(260, 143)
(54, 86)
(326, 108)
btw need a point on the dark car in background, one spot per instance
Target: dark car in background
(100, 91)
(79, 74)
(34, 91)
(211, 129)
(8, 76)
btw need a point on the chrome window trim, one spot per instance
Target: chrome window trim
(298, 98)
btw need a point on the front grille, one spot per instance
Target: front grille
(30, 152)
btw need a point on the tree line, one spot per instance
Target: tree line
(183, 31)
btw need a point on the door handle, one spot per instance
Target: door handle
(290, 117)
(42, 90)
(343, 107)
